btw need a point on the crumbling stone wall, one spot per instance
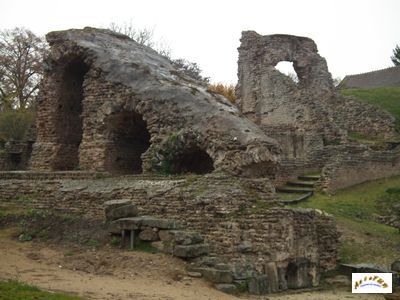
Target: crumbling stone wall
(358, 164)
(104, 95)
(238, 217)
(306, 116)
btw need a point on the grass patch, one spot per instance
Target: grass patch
(362, 139)
(144, 247)
(387, 98)
(14, 290)
(356, 210)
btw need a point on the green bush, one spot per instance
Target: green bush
(15, 123)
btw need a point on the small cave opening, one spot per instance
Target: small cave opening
(129, 140)
(287, 69)
(69, 110)
(192, 160)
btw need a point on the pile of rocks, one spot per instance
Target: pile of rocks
(164, 234)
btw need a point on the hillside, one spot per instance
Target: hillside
(357, 210)
(387, 98)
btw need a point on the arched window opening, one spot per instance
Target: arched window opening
(286, 68)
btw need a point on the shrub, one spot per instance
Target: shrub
(15, 123)
(225, 90)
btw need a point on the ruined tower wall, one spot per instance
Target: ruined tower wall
(304, 117)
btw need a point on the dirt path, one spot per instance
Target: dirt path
(112, 274)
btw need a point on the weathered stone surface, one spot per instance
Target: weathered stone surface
(258, 285)
(303, 116)
(271, 271)
(128, 223)
(130, 92)
(125, 211)
(162, 247)
(148, 235)
(190, 251)
(112, 204)
(159, 223)
(243, 271)
(227, 288)
(395, 266)
(246, 246)
(180, 237)
(216, 276)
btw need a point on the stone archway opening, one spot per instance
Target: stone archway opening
(69, 95)
(287, 69)
(129, 139)
(193, 160)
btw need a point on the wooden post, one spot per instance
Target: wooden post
(132, 240)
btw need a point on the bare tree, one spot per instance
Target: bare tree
(21, 68)
(145, 36)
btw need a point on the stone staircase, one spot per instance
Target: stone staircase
(297, 190)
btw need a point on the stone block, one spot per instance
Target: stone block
(112, 204)
(216, 276)
(128, 223)
(190, 251)
(124, 211)
(243, 271)
(180, 237)
(258, 285)
(148, 234)
(162, 247)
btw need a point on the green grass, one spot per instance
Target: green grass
(356, 210)
(386, 98)
(14, 290)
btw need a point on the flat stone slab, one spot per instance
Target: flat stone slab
(181, 237)
(111, 204)
(119, 212)
(137, 222)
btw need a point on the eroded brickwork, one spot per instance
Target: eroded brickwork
(108, 102)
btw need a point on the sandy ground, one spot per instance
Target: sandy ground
(117, 274)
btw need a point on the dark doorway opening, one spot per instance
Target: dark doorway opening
(193, 160)
(130, 139)
(69, 119)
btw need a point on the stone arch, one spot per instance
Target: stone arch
(69, 94)
(128, 139)
(194, 160)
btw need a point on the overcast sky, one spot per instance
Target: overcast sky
(354, 36)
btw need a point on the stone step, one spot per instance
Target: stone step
(295, 198)
(289, 189)
(309, 177)
(309, 184)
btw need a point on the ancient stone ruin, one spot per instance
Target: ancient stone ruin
(110, 104)
(110, 107)
(309, 119)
